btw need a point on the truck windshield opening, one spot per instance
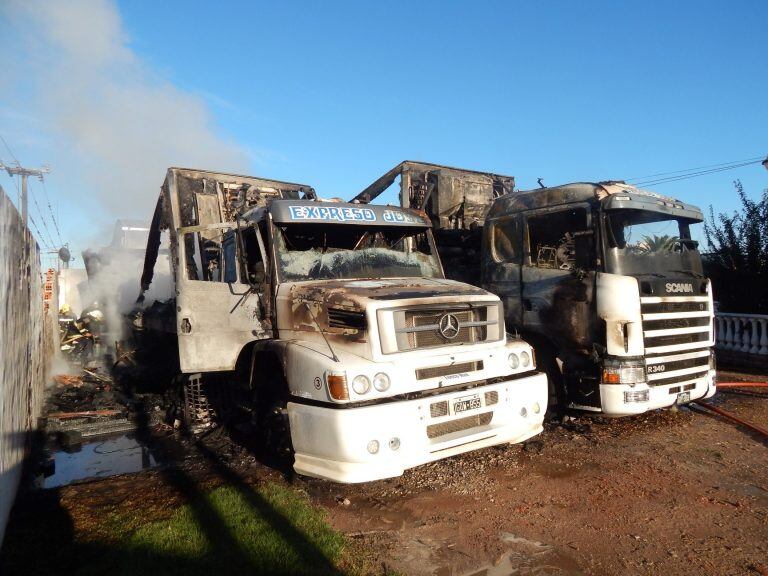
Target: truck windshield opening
(640, 242)
(338, 251)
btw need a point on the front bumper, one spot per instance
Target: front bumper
(613, 401)
(333, 443)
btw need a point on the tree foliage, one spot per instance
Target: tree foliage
(737, 260)
(659, 243)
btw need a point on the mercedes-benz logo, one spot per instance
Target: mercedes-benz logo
(448, 326)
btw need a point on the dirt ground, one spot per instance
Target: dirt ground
(666, 493)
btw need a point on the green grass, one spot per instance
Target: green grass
(268, 529)
(273, 530)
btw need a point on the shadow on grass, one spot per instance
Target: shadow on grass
(232, 529)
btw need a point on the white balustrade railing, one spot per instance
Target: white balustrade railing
(747, 333)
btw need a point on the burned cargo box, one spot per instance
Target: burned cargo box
(217, 310)
(456, 201)
(206, 199)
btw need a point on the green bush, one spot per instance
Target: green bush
(737, 258)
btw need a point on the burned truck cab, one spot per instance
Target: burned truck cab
(388, 364)
(604, 279)
(353, 343)
(607, 280)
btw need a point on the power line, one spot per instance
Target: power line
(693, 169)
(42, 218)
(9, 149)
(22, 195)
(19, 170)
(658, 181)
(32, 220)
(15, 184)
(50, 209)
(39, 235)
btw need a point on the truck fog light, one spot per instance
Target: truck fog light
(523, 412)
(373, 446)
(394, 443)
(635, 396)
(513, 360)
(361, 384)
(536, 408)
(381, 382)
(525, 358)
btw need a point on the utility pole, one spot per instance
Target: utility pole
(19, 170)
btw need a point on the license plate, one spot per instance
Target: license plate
(464, 404)
(684, 398)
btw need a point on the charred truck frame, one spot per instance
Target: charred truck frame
(339, 320)
(621, 321)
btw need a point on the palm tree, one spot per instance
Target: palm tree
(656, 243)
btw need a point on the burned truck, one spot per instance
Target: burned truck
(604, 279)
(361, 359)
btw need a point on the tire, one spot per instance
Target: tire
(270, 397)
(557, 402)
(275, 433)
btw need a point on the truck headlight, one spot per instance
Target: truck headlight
(361, 384)
(525, 358)
(623, 372)
(381, 382)
(513, 360)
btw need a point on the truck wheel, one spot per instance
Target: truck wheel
(275, 432)
(270, 397)
(557, 403)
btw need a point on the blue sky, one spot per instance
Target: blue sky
(335, 93)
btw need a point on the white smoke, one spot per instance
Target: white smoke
(114, 125)
(73, 90)
(114, 287)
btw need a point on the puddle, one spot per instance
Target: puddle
(107, 456)
(522, 557)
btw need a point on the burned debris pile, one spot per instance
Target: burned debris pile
(91, 404)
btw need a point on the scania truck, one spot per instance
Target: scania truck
(604, 279)
(361, 358)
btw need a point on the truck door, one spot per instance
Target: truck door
(218, 311)
(502, 263)
(558, 275)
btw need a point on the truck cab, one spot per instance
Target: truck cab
(354, 341)
(609, 280)
(604, 279)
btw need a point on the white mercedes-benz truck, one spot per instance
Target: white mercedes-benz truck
(361, 358)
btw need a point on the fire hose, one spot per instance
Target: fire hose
(729, 416)
(742, 384)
